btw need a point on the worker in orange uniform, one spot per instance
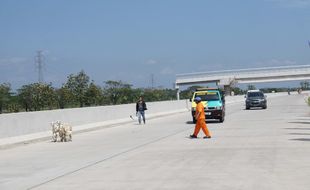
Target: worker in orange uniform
(200, 120)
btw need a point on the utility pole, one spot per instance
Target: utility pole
(152, 80)
(39, 65)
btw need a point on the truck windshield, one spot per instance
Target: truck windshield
(209, 97)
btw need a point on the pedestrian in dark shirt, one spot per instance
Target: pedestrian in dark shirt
(140, 108)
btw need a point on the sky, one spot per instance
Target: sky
(147, 42)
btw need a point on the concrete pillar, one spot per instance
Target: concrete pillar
(227, 83)
(178, 91)
(227, 90)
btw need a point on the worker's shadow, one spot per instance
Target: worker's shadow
(207, 122)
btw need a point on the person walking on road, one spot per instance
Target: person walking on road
(140, 109)
(200, 120)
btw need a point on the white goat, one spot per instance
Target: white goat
(55, 131)
(66, 131)
(60, 130)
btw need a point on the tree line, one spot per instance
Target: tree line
(78, 91)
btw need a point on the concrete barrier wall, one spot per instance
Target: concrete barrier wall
(16, 124)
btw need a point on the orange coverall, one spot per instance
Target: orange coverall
(201, 120)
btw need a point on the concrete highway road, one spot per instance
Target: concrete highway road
(252, 150)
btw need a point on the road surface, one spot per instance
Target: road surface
(253, 149)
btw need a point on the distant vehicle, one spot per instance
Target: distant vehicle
(213, 100)
(255, 98)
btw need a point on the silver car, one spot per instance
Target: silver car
(255, 98)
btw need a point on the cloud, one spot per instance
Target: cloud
(12, 61)
(292, 3)
(15, 67)
(151, 62)
(167, 71)
(275, 63)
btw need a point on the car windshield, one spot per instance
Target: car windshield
(208, 97)
(255, 94)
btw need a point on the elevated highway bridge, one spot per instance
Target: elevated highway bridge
(227, 78)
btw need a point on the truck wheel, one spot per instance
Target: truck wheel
(222, 119)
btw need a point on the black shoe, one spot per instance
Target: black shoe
(207, 137)
(193, 136)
